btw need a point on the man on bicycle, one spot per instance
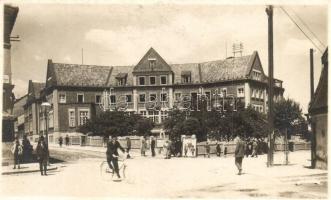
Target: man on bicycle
(112, 155)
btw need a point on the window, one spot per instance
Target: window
(142, 98)
(50, 119)
(143, 113)
(83, 116)
(154, 116)
(164, 97)
(121, 81)
(80, 98)
(152, 63)
(256, 74)
(178, 97)
(208, 98)
(62, 98)
(129, 98)
(240, 92)
(163, 80)
(98, 99)
(152, 80)
(164, 115)
(71, 117)
(141, 80)
(152, 97)
(112, 99)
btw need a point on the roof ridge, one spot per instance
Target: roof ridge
(211, 60)
(81, 64)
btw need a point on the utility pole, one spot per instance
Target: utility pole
(269, 11)
(313, 136)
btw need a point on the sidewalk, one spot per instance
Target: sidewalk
(25, 168)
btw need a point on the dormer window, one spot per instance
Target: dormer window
(121, 79)
(186, 77)
(152, 63)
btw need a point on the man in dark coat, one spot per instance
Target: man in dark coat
(128, 146)
(153, 144)
(239, 153)
(112, 155)
(42, 154)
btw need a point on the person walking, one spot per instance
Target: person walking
(185, 150)
(42, 155)
(17, 151)
(165, 147)
(27, 149)
(239, 153)
(67, 140)
(112, 155)
(254, 147)
(207, 150)
(143, 146)
(153, 144)
(218, 149)
(60, 141)
(128, 147)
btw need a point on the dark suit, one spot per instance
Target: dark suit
(239, 154)
(153, 144)
(42, 154)
(112, 154)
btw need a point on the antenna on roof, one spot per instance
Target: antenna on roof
(237, 48)
(82, 56)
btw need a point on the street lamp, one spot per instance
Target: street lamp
(46, 105)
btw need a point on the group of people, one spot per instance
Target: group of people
(66, 140)
(23, 152)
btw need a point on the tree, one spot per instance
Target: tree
(287, 114)
(116, 123)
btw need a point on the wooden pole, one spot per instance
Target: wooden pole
(313, 137)
(269, 12)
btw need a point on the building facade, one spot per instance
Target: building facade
(151, 88)
(19, 114)
(33, 112)
(318, 111)
(8, 98)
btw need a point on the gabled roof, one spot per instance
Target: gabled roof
(160, 64)
(19, 106)
(35, 89)
(218, 70)
(320, 100)
(63, 74)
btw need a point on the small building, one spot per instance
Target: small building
(318, 111)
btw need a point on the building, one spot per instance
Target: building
(151, 88)
(33, 113)
(19, 114)
(318, 111)
(10, 14)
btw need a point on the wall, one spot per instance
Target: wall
(320, 126)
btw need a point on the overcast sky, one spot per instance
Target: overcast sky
(121, 35)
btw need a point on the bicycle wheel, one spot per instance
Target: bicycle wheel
(104, 169)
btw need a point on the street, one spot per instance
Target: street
(174, 178)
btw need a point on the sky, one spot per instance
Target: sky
(120, 34)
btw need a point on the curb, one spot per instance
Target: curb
(27, 171)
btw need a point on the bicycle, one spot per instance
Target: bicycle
(122, 165)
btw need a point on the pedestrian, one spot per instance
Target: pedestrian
(165, 147)
(112, 155)
(153, 144)
(239, 153)
(218, 149)
(225, 151)
(143, 146)
(207, 149)
(254, 148)
(60, 141)
(128, 147)
(67, 140)
(42, 155)
(27, 149)
(185, 149)
(17, 151)
(247, 148)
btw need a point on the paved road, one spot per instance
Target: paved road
(177, 177)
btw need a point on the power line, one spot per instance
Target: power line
(300, 29)
(308, 28)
